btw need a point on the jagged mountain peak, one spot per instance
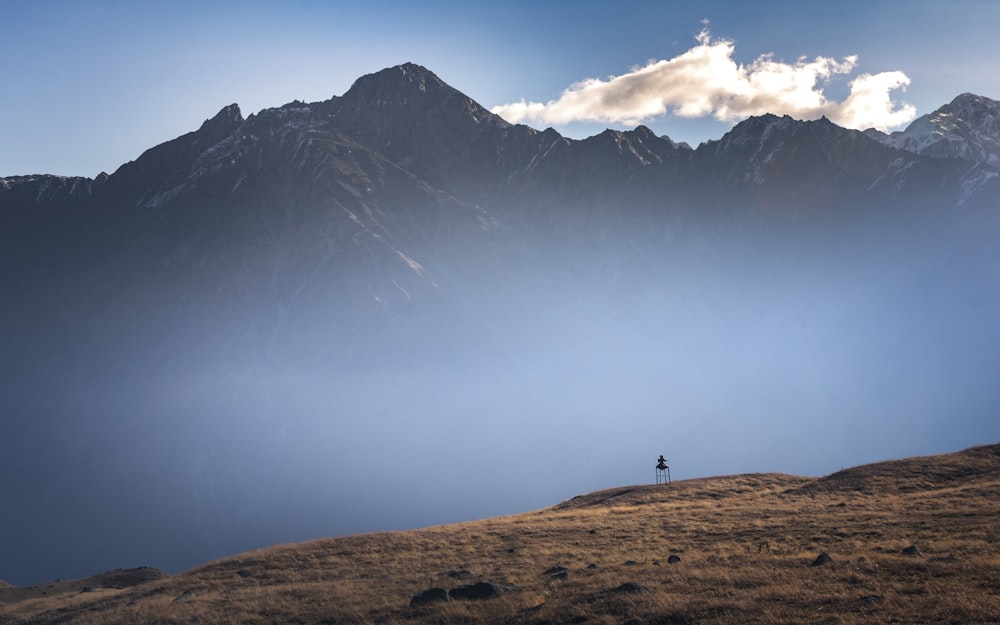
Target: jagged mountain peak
(160, 172)
(641, 145)
(417, 74)
(753, 128)
(411, 117)
(640, 134)
(969, 100)
(644, 133)
(225, 118)
(48, 189)
(769, 130)
(397, 81)
(409, 89)
(967, 127)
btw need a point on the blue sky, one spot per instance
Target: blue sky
(88, 86)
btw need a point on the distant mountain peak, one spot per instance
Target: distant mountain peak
(228, 116)
(416, 72)
(411, 73)
(967, 127)
(397, 85)
(967, 98)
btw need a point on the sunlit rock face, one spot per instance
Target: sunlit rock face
(286, 311)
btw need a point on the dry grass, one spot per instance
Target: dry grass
(746, 544)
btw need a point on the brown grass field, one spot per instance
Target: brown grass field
(746, 546)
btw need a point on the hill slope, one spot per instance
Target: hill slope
(907, 548)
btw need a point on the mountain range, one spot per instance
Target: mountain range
(404, 187)
(306, 259)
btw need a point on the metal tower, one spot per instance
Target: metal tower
(662, 471)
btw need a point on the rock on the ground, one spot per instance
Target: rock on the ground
(479, 590)
(431, 595)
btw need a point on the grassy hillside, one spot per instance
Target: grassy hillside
(909, 541)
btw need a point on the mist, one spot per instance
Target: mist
(179, 439)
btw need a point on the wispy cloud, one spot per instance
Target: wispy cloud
(706, 80)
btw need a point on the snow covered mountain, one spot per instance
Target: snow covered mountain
(968, 128)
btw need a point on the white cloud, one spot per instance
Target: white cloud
(706, 80)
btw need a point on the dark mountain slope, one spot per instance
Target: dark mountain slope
(411, 117)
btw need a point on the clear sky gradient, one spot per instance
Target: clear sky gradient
(87, 86)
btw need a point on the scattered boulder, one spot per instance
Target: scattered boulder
(822, 559)
(431, 595)
(187, 595)
(591, 566)
(459, 574)
(554, 570)
(673, 559)
(631, 563)
(911, 551)
(479, 590)
(630, 588)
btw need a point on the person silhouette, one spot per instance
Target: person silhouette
(661, 463)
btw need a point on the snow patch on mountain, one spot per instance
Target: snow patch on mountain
(968, 127)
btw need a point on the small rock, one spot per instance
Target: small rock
(184, 596)
(631, 563)
(479, 590)
(630, 588)
(822, 559)
(431, 595)
(591, 566)
(459, 574)
(673, 559)
(911, 551)
(553, 570)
